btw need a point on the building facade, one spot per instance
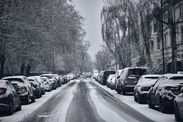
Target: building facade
(156, 41)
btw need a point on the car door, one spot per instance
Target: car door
(14, 93)
(158, 91)
(154, 91)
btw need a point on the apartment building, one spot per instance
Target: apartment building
(156, 42)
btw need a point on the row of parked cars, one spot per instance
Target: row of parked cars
(18, 90)
(158, 91)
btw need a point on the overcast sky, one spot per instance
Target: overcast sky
(90, 10)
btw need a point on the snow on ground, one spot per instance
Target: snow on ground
(105, 112)
(27, 110)
(60, 111)
(155, 115)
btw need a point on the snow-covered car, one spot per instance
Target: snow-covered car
(128, 79)
(178, 107)
(112, 83)
(143, 86)
(47, 83)
(40, 81)
(164, 91)
(52, 80)
(36, 86)
(95, 75)
(117, 78)
(9, 97)
(109, 79)
(25, 88)
(104, 75)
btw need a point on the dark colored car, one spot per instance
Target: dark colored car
(25, 88)
(104, 76)
(178, 107)
(9, 97)
(143, 86)
(128, 79)
(36, 87)
(164, 91)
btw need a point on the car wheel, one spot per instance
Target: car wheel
(27, 101)
(177, 116)
(150, 105)
(163, 107)
(19, 106)
(140, 100)
(123, 92)
(10, 111)
(33, 98)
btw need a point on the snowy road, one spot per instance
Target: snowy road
(84, 100)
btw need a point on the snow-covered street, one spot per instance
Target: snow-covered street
(85, 100)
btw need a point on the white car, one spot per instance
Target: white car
(109, 79)
(47, 84)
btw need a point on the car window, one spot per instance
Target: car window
(160, 81)
(15, 79)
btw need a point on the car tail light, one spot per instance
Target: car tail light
(2, 91)
(145, 88)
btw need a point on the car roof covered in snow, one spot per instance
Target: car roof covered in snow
(11, 77)
(151, 75)
(172, 75)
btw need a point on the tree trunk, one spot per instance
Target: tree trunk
(2, 60)
(28, 69)
(22, 69)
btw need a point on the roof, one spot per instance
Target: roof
(20, 77)
(151, 75)
(135, 68)
(173, 75)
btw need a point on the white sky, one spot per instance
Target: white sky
(90, 10)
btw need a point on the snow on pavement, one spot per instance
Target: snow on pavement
(142, 108)
(27, 110)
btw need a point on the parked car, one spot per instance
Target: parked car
(143, 86)
(164, 91)
(9, 97)
(178, 107)
(56, 76)
(25, 88)
(40, 81)
(36, 86)
(117, 78)
(47, 83)
(95, 75)
(100, 76)
(112, 83)
(52, 80)
(128, 79)
(109, 79)
(104, 75)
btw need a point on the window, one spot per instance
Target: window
(158, 43)
(177, 13)
(152, 45)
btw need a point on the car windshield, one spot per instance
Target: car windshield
(137, 72)
(15, 79)
(106, 73)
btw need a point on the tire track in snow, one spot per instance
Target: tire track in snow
(122, 109)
